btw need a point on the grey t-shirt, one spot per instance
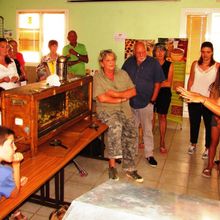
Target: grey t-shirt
(102, 84)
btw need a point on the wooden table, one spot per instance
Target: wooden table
(50, 163)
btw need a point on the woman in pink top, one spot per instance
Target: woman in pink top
(202, 75)
(17, 55)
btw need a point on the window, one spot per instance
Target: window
(35, 29)
(200, 25)
(195, 32)
(215, 34)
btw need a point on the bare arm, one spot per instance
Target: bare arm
(114, 97)
(23, 73)
(5, 79)
(82, 58)
(210, 103)
(191, 76)
(156, 91)
(123, 94)
(109, 99)
(18, 157)
(14, 79)
(168, 82)
(71, 63)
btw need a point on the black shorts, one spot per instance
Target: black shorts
(163, 101)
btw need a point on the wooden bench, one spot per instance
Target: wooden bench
(49, 163)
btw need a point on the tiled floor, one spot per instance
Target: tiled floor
(176, 172)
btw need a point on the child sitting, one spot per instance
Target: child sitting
(10, 180)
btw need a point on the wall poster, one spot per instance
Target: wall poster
(177, 53)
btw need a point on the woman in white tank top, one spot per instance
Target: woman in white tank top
(202, 75)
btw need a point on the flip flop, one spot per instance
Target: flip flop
(207, 172)
(141, 145)
(217, 163)
(18, 215)
(163, 150)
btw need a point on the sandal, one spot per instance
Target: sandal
(141, 145)
(163, 150)
(17, 215)
(217, 162)
(216, 165)
(207, 172)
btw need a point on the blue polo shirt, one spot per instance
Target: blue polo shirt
(144, 76)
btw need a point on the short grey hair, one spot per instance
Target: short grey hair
(104, 53)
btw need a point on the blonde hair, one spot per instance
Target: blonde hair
(104, 53)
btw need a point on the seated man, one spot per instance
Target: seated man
(10, 181)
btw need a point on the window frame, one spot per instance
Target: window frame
(182, 33)
(41, 11)
(196, 11)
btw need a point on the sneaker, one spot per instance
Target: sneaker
(191, 149)
(113, 173)
(135, 176)
(152, 161)
(205, 154)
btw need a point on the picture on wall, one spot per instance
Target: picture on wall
(177, 54)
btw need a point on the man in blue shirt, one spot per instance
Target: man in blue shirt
(147, 74)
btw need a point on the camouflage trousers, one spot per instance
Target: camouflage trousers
(120, 138)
